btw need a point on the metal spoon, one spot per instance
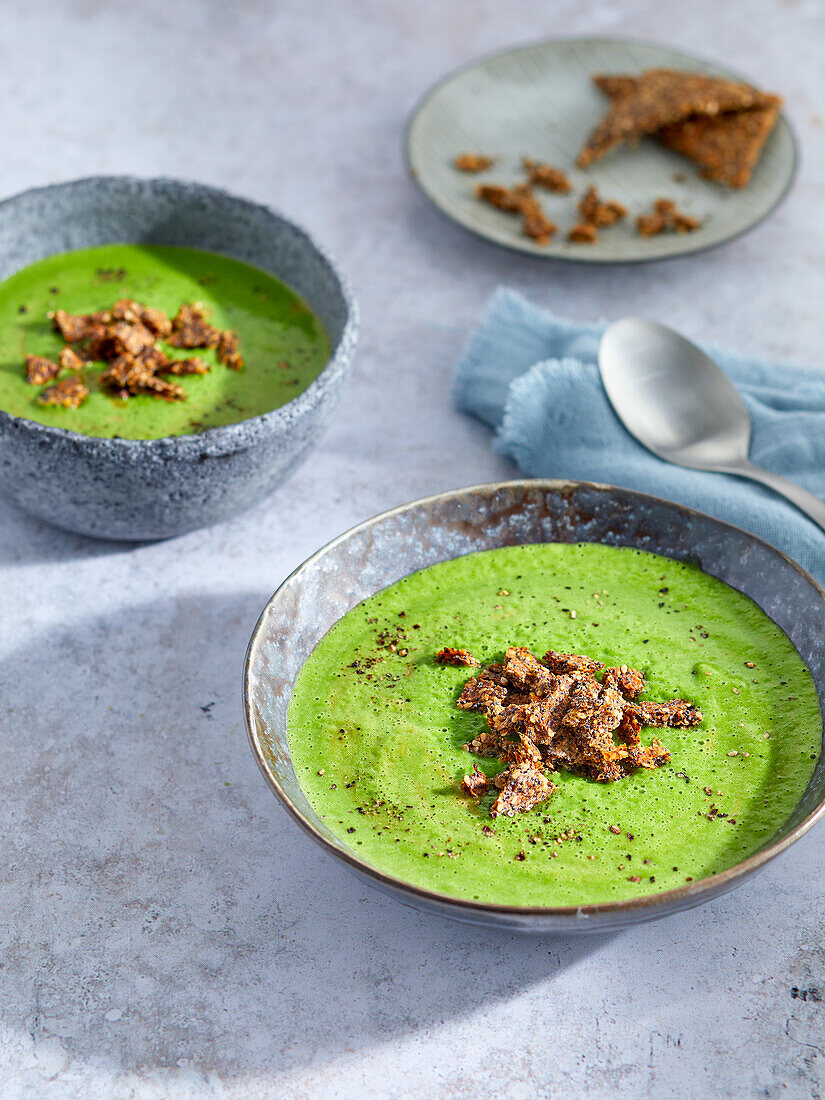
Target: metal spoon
(679, 404)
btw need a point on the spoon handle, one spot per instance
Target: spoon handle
(806, 502)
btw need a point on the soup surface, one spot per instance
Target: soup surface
(283, 344)
(377, 739)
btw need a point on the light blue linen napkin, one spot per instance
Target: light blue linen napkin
(533, 378)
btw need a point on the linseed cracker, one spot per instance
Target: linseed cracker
(665, 217)
(556, 713)
(125, 336)
(595, 210)
(662, 97)
(69, 392)
(473, 162)
(726, 146)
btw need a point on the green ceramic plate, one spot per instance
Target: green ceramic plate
(538, 101)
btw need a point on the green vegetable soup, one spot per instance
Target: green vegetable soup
(283, 344)
(376, 737)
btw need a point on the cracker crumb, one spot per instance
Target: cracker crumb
(190, 329)
(509, 199)
(520, 200)
(476, 783)
(583, 233)
(473, 162)
(451, 656)
(70, 360)
(598, 212)
(545, 175)
(665, 218)
(68, 392)
(227, 350)
(39, 369)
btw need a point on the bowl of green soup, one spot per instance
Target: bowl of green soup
(109, 448)
(360, 665)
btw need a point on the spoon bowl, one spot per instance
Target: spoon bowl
(677, 402)
(671, 396)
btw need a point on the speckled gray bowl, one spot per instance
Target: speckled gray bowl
(134, 489)
(382, 550)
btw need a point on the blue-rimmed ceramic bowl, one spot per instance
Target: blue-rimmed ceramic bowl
(150, 489)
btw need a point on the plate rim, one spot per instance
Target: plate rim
(593, 259)
(647, 907)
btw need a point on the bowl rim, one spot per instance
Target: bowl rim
(224, 438)
(485, 58)
(669, 900)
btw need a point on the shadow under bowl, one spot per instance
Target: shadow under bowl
(150, 489)
(390, 546)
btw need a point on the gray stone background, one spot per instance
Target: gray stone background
(165, 930)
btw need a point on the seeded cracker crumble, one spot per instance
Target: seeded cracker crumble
(556, 713)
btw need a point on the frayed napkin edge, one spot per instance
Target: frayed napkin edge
(522, 422)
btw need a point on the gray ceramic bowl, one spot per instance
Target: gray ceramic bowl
(382, 550)
(133, 489)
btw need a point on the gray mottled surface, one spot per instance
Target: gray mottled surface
(165, 931)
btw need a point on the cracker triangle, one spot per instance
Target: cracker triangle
(725, 146)
(662, 97)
